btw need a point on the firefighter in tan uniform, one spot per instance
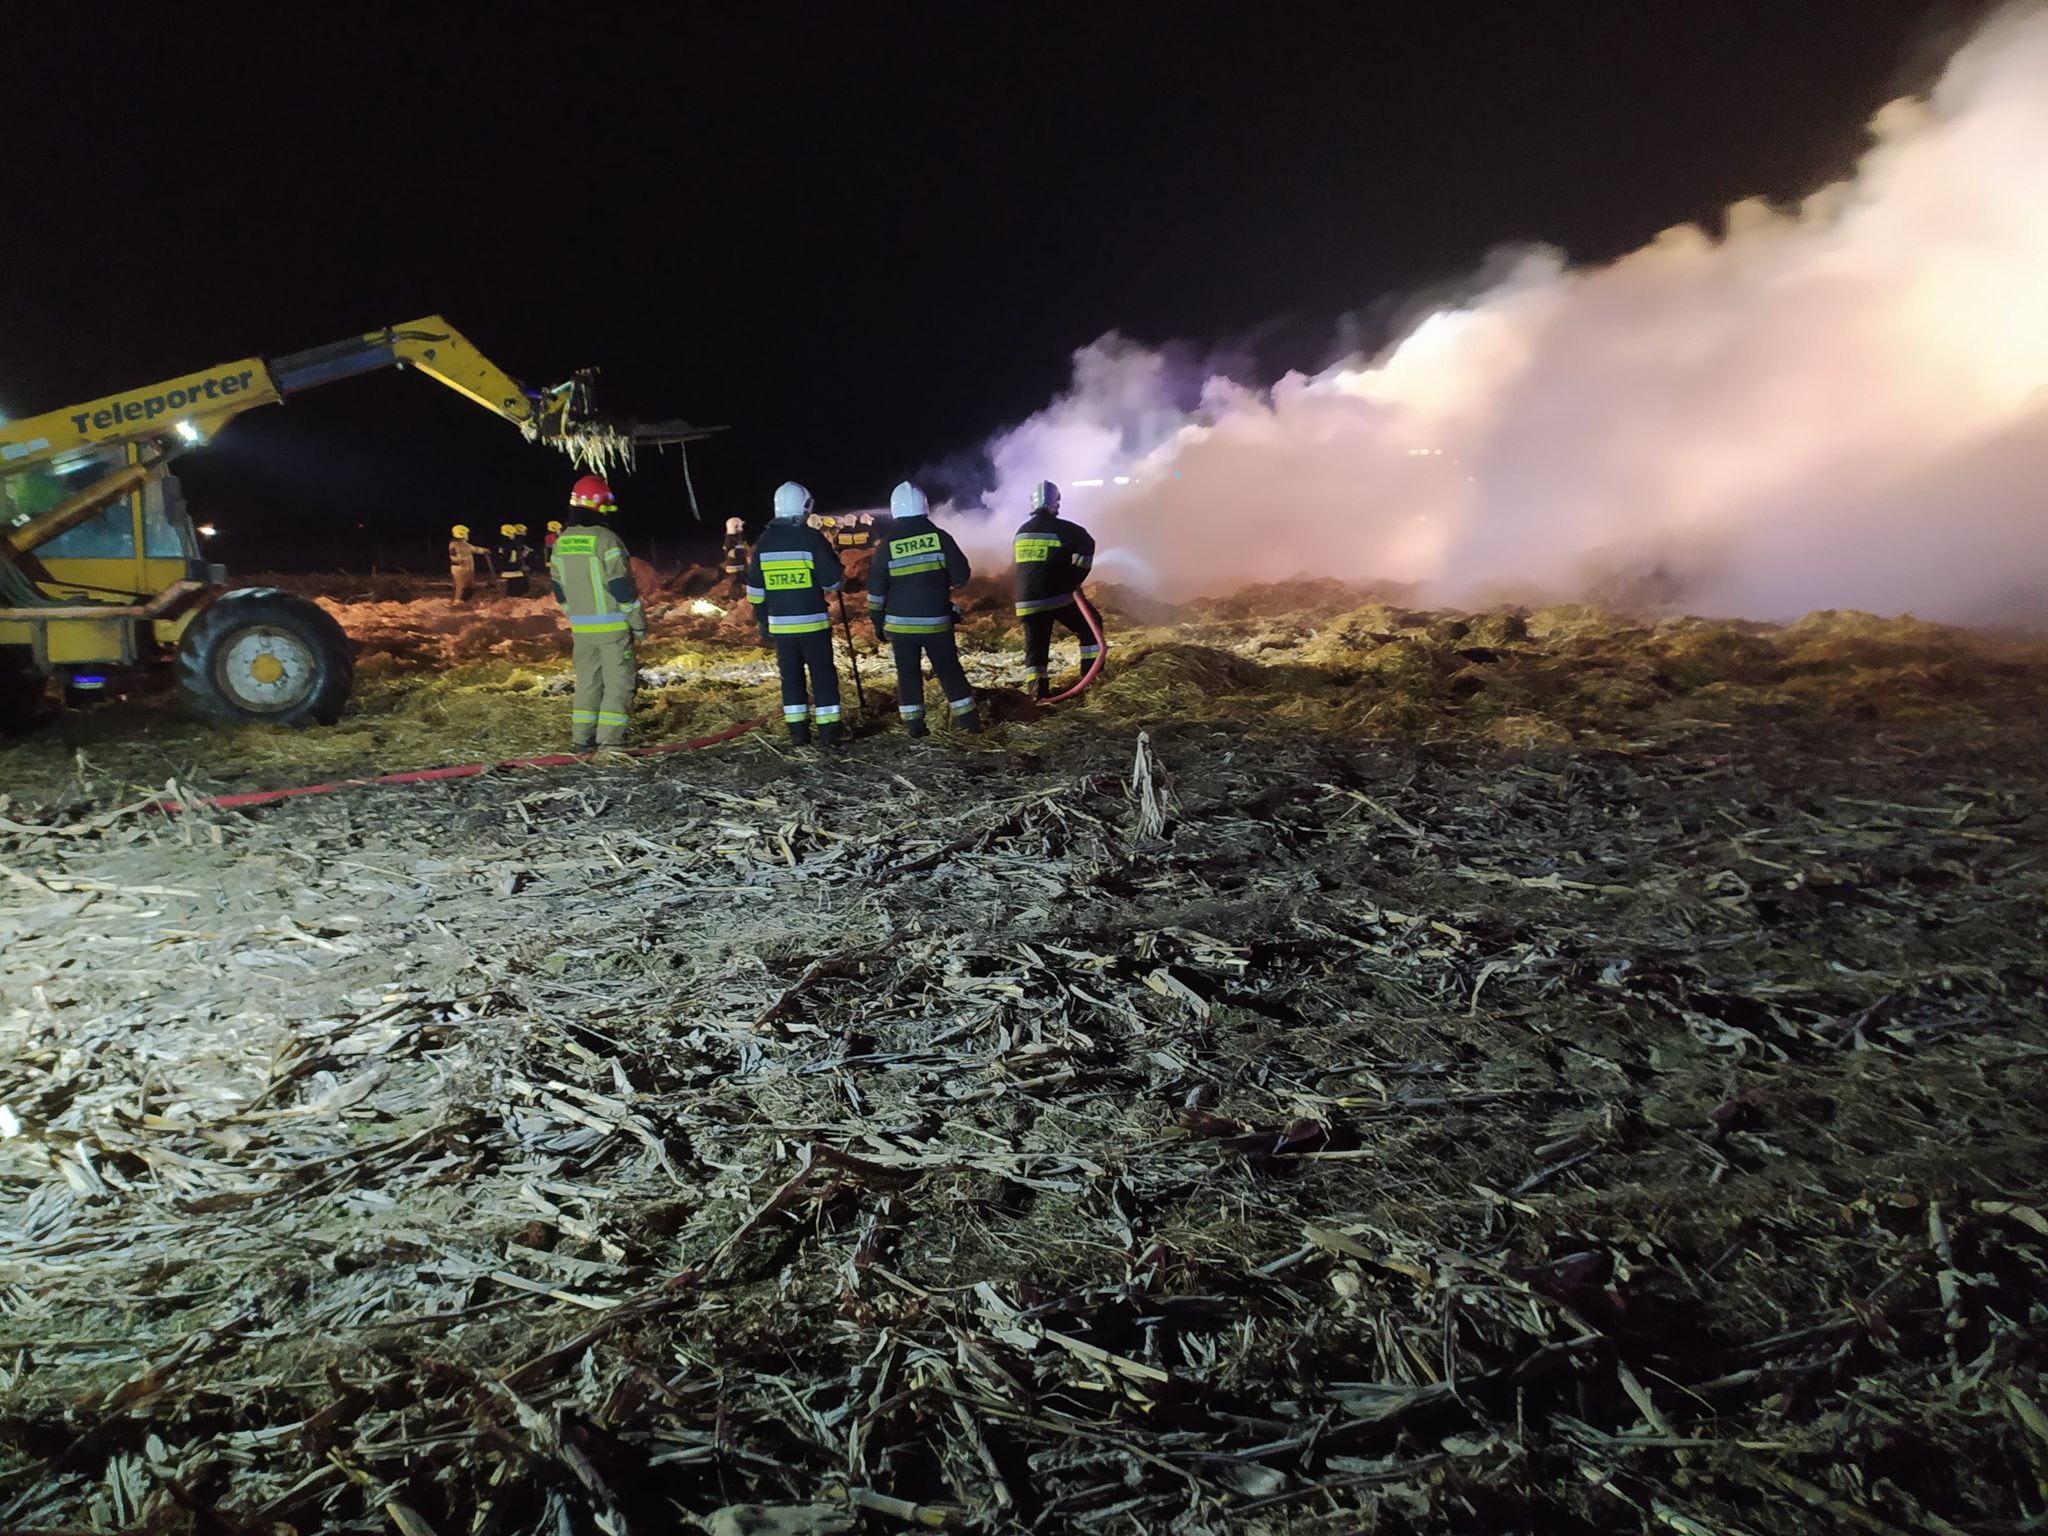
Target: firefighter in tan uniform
(462, 560)
(593, 582)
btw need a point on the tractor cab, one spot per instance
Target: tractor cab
(134, 547)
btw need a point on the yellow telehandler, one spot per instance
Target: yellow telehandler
(100, 566)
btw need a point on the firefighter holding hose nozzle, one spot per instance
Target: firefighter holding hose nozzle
(463, 560)
(1053, 559)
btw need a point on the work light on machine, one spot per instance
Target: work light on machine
(188, 432)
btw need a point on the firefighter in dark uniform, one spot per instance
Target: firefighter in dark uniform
(511, 560)
(1053, 559)
(735, 554)
(793, 571)
(910, 599)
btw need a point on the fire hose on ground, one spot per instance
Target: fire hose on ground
(1101, 649)
(255, 797)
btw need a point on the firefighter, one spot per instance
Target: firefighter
(593, 581)
(735, 554)
(529, 560)
(910, 599)
(511, 563)
(853, 532)
(793, 570)
(462, 560)
(547, 551)
(1053, 559)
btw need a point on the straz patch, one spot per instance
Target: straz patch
(1035, 551)
(576, 544)
(919, 544)
(785, 578)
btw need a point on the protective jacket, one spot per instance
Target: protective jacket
(793, 570)
(593, 582)
(1053, 558)
(735, 555)
(910, 584)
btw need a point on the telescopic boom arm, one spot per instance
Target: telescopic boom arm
(163, 419)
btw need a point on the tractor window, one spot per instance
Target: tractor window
(165, 521)
(110, 536)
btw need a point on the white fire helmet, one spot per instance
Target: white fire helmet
(734, 525)
(1045, 497)
(792, 501)
(908, 501)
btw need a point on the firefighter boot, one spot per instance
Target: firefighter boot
(970, 722)
(799, 733)
(913, 726)
(1041, 689)
(828, 735)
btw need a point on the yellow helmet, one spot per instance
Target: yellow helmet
(519, 527)
(505, 530)
(555, 526)
(460, 530)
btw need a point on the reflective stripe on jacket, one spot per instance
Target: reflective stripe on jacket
(793, 570)
(593, 581)
(916, 566)
(1053, 557)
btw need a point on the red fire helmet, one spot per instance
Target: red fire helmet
(592, 492)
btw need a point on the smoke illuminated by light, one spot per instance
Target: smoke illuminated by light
(1844, 403)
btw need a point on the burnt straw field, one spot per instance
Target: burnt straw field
(1353, 1069)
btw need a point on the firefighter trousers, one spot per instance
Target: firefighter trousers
(605, 675)
(1038, 628)
(462, 576)
(910, 653)
(796, 655)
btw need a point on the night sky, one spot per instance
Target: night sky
(863, 235)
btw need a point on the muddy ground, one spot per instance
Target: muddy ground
(1353, 1070)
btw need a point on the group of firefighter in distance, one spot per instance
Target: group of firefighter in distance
(800, 563)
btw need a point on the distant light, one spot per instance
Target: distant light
(207, 531)
(188, 432)
(1122, 480)
(1087, 482)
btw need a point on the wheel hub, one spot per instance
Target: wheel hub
(265, 669)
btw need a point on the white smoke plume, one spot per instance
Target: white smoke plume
(1842, 404)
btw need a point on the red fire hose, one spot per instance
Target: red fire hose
(1101, 650)
(432, 775)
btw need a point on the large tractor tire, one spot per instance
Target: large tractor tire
(24, 690)
(264, 657)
